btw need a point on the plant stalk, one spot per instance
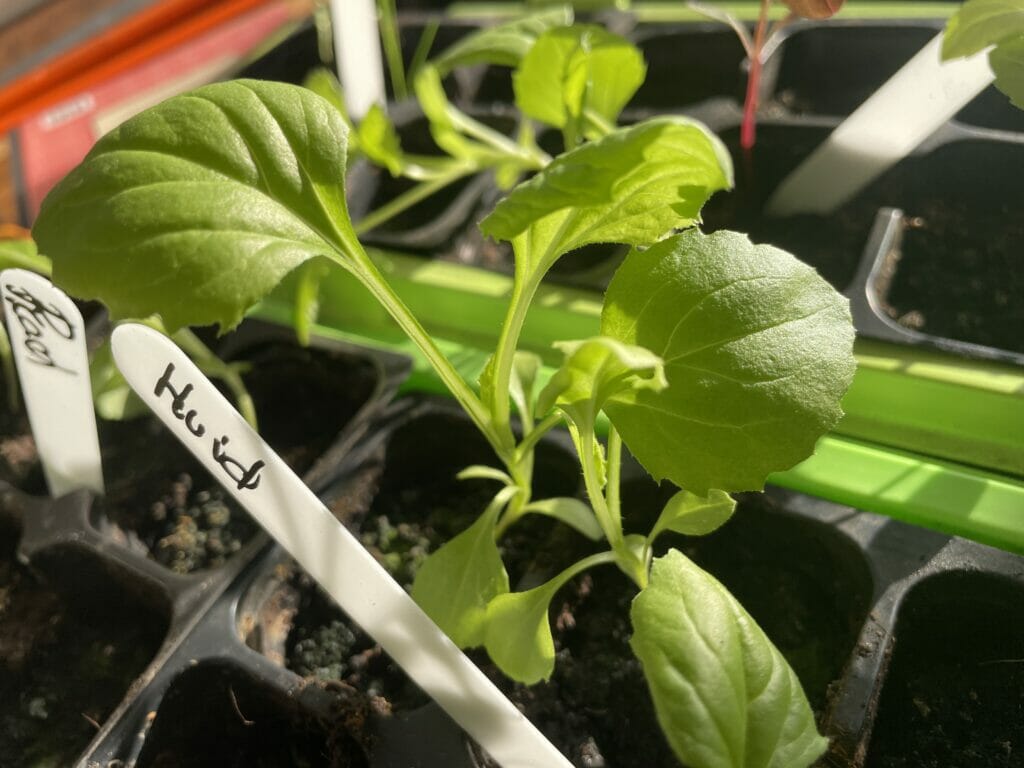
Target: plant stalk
(748, 128)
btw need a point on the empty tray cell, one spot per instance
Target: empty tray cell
(954, 694)
(833, 68)
(959, 272)
(74, 635)
(219, 716)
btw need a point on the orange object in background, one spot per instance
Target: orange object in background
(53, 115)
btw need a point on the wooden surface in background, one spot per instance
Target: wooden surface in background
(8, 205)
(35, 30)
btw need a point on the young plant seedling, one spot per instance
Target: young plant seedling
(755, 47)
(718, 362)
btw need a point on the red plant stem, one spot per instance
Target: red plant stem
(748, 128)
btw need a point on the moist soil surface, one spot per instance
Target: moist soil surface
(164, 503)
(67, 657)
(960, 274)
(596, 707)
(954, 695)
(220, 717)
(19, 460)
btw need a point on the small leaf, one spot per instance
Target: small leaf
(524, 373)
(815, 9)
(455, 583)
(379, 141)
(307, 297)
(595, 370)
(633, 186)
(325, 84)
(570, 511)
(724, 695)
(758, 352)
(981, 23)
(504, 44)
(1007, 61)
(694, 515)
(482, 472)
(570, 69)
(434, 102)
(518, 634)
(22, 253)
(197, 208)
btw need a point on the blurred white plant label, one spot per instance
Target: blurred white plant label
(47, 339)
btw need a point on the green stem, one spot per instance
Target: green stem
(392, 47)
(406, 200)
(612, 496)
(212, 365)
(364, 269)
(504, 352)
(585, 564)
(529, 442)
(533, 157)
(10, 375)
(595, 492)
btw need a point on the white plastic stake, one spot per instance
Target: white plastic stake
(909, 108)
(198, 415)
(357, 53)
(48, 342)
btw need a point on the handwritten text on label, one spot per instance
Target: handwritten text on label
(36, 320)
(244, 477)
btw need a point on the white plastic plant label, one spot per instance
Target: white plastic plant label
(198, 415)
(915, 102)
(357, 47)
(48, 343)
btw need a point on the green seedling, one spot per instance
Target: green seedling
(754, 46)
(718, 362)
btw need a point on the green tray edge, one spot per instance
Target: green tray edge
(961, 473)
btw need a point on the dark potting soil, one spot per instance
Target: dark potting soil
(164, 503)
(954, 694)
(19, 460)
(67, 657)
(959, 274)
(220, 717)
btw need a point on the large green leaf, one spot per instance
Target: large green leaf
(504, 44)
(455, 584)
(724, 695)
(633, 186)
(757, 350)
(572, 69)
(195, 209)
(1007, 61)
(981, 23)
